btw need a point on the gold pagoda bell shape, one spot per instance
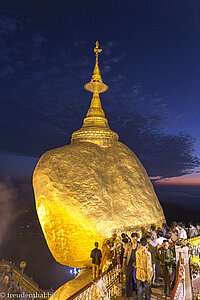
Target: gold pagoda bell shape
(95, 127)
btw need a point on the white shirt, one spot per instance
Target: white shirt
(192, 232)
(153, 236)
(183, 234)
(159, 241)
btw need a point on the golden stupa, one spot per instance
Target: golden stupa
(95, 186)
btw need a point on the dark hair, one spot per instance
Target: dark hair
(153, 227)
(134, 234)
(167, 229)
(148, 237)
(198, 224)
(168, 235)
(190, 223)
(125, 240)
(96, 244)
(143, 241)
(164, 225)
(174, 224)
(165, 241)
(123, 235)
(180, 224)
(175, 231)
(160, 233)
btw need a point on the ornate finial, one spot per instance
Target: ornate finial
(97, 51)
(96, 84)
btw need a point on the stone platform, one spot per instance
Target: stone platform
(157, 293)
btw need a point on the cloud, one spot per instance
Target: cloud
(32, 124)
(9, 24)
(186, 194)
(43, 100)
(142, 124)
(108, 47)
(191, 179)
(20, 167)
(179, 116)
(118, 78)
(7, 71)
(39, 39)
(80, 43)
(163, 154)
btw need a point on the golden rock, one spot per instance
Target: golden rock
(71, 287)
(92, 188)
(85, 192)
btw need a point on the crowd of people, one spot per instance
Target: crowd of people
(145, 258)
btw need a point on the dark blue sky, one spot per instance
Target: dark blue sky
(151, 63)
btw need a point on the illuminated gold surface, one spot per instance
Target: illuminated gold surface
(72, 286)
(91, 188)
(85, 192)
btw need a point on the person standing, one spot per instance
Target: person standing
(153, 233)
(129, 262)
(152, 247)
(166, 258)
(116, 248)
(124, 241)
(96, 256)
(174, 235)
(164, 228)
(106, 256)
(182, 232)
(160, 238)
(192, 232)
(143, 270)
(198, 229)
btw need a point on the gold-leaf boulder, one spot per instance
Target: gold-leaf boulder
(85, 192)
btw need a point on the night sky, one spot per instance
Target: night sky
(151, 63)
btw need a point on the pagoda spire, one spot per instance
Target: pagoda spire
(96, 86)
(95, 128)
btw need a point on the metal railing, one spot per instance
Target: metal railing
(31, 285)
(183, 283)
(195, 265)
(179, 288)
(104, 285)
(19, 284)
